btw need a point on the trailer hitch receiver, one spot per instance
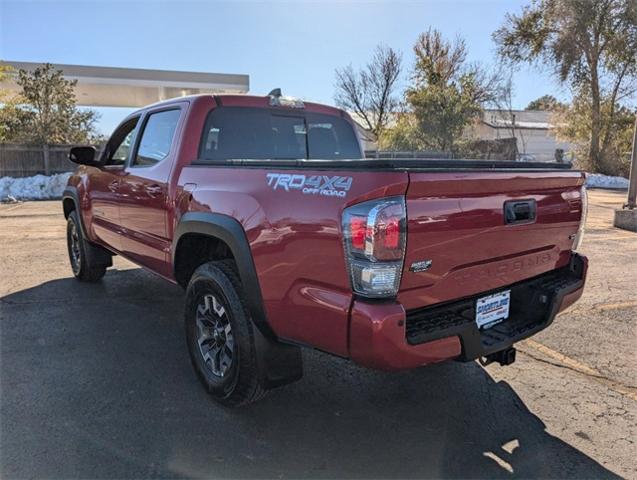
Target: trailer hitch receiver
(503, 357)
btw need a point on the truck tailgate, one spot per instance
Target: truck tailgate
(460, 242)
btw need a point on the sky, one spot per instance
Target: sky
(294, 45)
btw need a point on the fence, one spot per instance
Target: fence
(520, 157)
(28, 160)
(394, 154)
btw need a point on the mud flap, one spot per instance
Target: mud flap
(97, 255)
(278, 363)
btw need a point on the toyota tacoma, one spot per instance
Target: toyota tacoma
(264, 209)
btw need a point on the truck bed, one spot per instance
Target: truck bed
(454, 218)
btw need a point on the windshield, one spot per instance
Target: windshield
(258, 133)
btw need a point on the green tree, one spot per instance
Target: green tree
(446, 96)
(5, 70)
(402, 136)
(9, 116)
(590, 45)
(45, 111)
(546, 102)
(617, 123)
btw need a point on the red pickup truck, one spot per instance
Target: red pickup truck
(283, 235)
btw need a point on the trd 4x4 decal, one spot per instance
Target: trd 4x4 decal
(330, 186)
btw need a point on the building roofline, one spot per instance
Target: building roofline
(136, 87)
(138, 74)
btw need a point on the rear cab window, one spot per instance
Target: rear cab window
(262, 134)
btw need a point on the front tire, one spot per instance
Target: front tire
(83, 264)
(220, 335)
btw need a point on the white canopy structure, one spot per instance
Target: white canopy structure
(136, 87)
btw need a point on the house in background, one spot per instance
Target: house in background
(532, 130)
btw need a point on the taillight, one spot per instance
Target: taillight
(375, 237)
(579, 236)
(357, 231)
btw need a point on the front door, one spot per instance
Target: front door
(103, 191)
(143, 191)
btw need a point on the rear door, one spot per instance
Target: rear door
(144, 200)
(471, 232)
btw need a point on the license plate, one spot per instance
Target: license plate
(492, 309)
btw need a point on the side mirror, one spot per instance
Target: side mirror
(84, 156)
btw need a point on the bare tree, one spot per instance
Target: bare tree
(490, 82)
(370, 92)
(503, 101)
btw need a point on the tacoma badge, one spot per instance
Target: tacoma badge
(421, 266)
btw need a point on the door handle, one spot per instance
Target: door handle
(153, 190)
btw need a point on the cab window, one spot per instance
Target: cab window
(157, 138)
(258, 133)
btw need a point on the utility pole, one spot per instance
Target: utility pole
(626, 218)
(632, 186)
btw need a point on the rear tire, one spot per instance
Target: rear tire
(220, 335)
(83, 263)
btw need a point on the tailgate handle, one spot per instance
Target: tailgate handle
(519, 211)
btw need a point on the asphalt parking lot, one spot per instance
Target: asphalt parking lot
(96, 383)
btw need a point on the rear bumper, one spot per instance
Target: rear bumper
(385, 337)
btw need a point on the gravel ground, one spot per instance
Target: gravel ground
(95, 382)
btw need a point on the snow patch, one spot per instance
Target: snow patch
(597, 180)
(42, 187)
(39, 187)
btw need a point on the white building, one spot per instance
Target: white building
(135, 87)
(531, 128)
